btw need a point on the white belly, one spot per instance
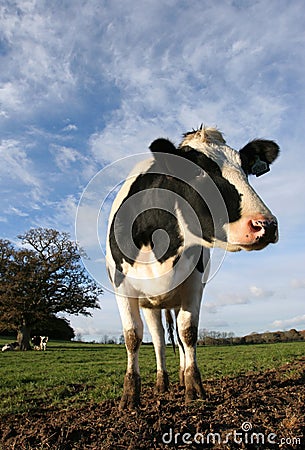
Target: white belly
(156, 284)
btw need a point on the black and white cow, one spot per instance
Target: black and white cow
(168, 213)
(40, 342)
(10, 347)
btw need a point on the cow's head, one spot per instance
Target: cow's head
(247, 222)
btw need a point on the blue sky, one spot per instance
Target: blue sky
(86, 83)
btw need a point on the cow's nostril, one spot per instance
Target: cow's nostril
(263, 228)
(255, 226)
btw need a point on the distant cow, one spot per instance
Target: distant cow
(168, 213)
(10, 347)
(40, 342)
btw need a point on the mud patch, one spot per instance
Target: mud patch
(254, 411)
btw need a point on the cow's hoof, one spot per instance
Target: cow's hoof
(131, 394)
(162, 384)
(193, 385)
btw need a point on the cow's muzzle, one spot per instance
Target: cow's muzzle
(263, 229)
(253, 232)
(259, 232)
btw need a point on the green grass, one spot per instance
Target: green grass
(69, 374)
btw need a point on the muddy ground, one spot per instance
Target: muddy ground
(253, 411)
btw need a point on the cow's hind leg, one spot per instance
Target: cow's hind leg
(133, 334)
(187, 324)
(154, 322)
(192, 379)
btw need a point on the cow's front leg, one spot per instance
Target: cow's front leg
(133, 334)
(188, 330)
(153, 319)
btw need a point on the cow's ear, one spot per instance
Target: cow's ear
(257, 156)
(173, 161)
(162, 145)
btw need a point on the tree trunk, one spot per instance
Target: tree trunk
(23, 338)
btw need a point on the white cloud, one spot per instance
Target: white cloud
(214, 324)
(176, 67)
(17, 212)
(67, 208)
(65, 156)
(16, 165)
(70, 127)
(260, 292)
(4, 114)
(10, 97)
(127, 137)
(298, 321)
(73, 163)
(158, 75)
(223, 300)
(298, 284)
(61, 217)
(37, 61)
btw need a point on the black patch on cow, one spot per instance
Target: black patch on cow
(200, 266)
(141, 228)
(161, 148)
(147, 223)
(197, 253)
(228, 191)
(129, 230)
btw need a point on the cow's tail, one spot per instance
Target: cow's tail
(170, 327)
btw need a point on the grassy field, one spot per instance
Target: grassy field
(68, 374)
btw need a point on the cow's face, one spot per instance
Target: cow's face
(244, 222)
